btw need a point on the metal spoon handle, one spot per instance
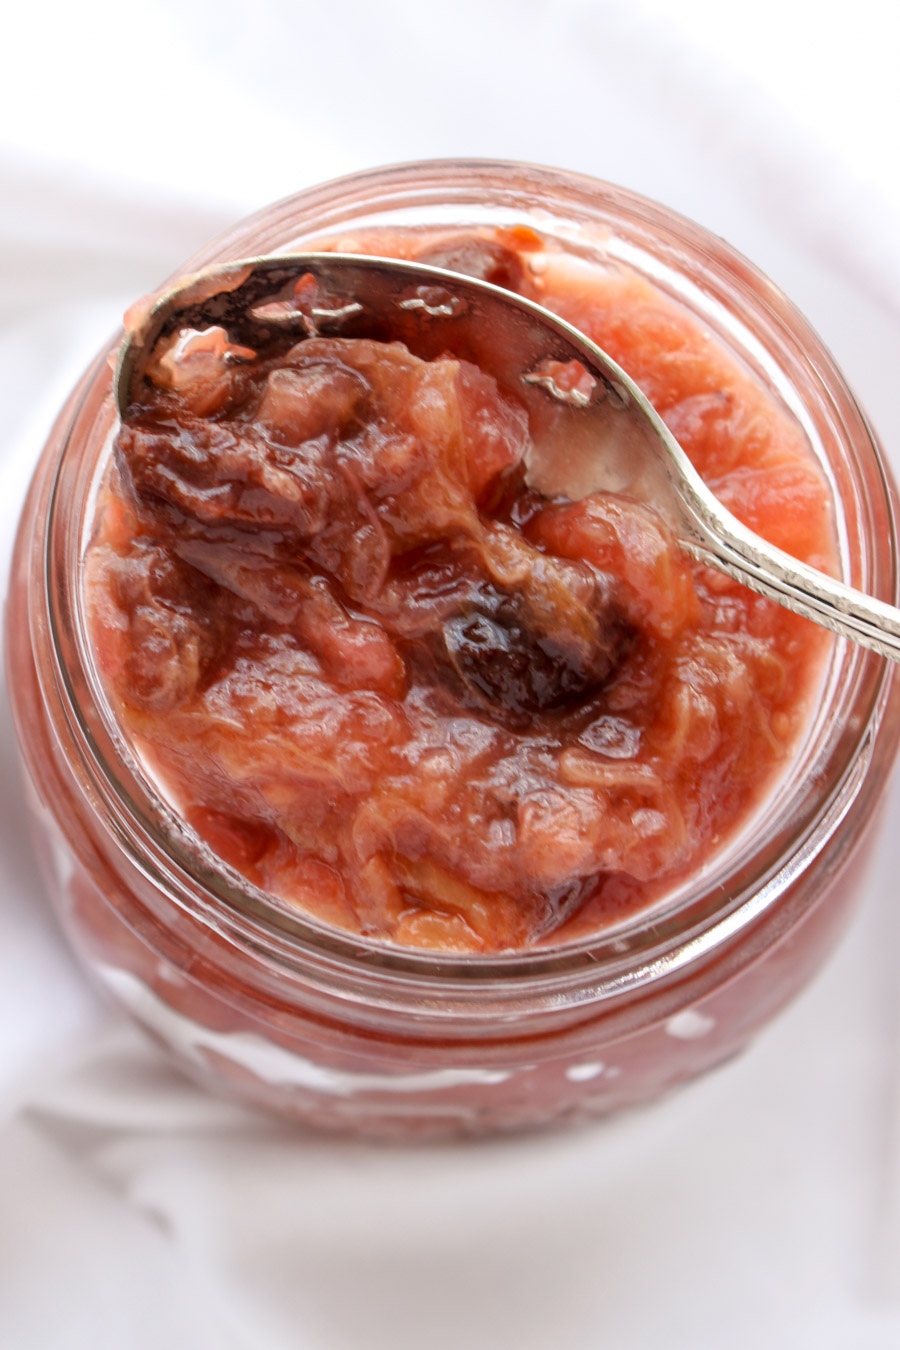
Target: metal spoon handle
(717, 538)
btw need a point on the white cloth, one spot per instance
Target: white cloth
(760, 1206)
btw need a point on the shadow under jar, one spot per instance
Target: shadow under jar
(341, 1030)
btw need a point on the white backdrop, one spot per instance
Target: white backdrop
(758, 1207)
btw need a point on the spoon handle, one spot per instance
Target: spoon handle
(718, 539)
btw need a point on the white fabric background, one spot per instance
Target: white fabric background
(758, 1207)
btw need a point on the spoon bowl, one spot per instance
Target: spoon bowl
(592, 428)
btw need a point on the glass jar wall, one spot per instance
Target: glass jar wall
(336, 1029)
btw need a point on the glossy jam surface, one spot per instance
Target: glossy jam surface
(397, 688)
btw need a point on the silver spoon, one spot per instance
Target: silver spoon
(593, 428)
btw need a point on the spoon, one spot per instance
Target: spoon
(593, 429)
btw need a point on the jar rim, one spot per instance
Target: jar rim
(657, 943)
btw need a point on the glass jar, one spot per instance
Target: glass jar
(344, 1033)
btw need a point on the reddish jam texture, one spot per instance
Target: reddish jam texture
(395, 687)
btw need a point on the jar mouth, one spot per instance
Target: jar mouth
(758, 867)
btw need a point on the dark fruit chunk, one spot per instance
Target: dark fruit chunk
(508, 665)
(479, 258)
